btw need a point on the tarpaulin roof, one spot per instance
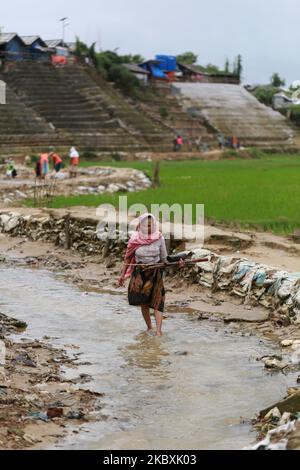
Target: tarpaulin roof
(156, 72)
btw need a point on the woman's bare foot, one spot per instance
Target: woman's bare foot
(158, 333)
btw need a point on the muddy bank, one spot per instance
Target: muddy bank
(38, 405)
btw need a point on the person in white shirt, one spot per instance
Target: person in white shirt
(74, 160)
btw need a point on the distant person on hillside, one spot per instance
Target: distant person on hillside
(190, 144)
(11, 172)
(43, 165)
(179, 142)
(175, 143)
(198, 143)
(235, 142)
(74, 160)
(228, 143)
(221, 141)
(57, 161)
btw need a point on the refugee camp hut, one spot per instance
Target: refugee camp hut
(54, 43)
(138, 72)
(168, 64)
(155, 72)
(60, 51)
(36, 48)
(12, 46)
(221, 77)
(190, 73)
(281, 101)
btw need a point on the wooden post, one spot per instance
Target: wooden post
(106, 248)
(67, 232)
(156, 179)
(34, 192)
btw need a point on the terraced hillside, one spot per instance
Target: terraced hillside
(231, 110)
(19, 123)
(71, 106)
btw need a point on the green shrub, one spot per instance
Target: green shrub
(230, 154)
(265, 94)
(116, 157)
(34, 158)
(124, 79)
(294, 111)
(89, 155)
(256, 153)
(164, 113)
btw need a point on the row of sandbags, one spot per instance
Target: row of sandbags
(272, 288)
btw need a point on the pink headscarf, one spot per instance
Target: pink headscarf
(140, 238)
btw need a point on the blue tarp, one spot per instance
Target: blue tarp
(167, 62)
(156, 72)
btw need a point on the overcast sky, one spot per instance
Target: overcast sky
(265, 32)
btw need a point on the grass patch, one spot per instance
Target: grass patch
(263, 193)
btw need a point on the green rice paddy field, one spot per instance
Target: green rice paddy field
(261, 193)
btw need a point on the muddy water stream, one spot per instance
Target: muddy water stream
(186, 390)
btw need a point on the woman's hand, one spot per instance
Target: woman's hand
(121, 281)
(181, 263)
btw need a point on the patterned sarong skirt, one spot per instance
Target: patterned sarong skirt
(147, 288)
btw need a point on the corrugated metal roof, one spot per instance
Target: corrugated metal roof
(6, 37)
(28, 40)
(136, 69)
(191, 68)
(53, 42)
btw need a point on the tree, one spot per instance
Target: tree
(132, 59)
(188, 58)
(227, 66)
(238, 67)
(93, 54)
(110, 65)
(277, 81)
(211, 68)
(81, 48)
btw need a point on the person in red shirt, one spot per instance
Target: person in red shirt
(179, 142)
(57, 161)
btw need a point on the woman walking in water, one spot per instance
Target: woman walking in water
(146, 288)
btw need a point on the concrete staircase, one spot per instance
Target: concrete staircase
(231, 110)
